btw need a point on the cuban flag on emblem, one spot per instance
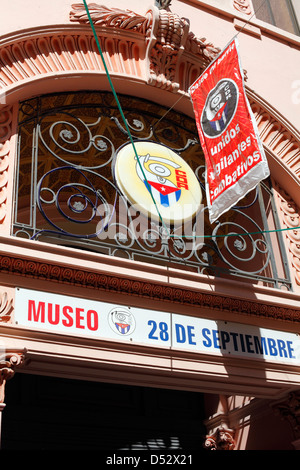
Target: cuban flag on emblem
(122, 328)
(165, 194)
(218, 122)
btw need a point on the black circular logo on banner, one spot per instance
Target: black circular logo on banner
(220, 108)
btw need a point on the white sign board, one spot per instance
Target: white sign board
(107, 321)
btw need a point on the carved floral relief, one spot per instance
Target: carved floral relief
(167, 38)
(111, 17)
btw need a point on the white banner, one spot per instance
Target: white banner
(107, 321)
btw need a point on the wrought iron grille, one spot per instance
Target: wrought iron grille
(66, 148)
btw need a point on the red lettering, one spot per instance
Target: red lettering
(52, 321)
(181, 179)
(180, 173)
(182, 185)
(65, 315)
(34, 315)
(69, 320)
(92, 323)
(79, 317)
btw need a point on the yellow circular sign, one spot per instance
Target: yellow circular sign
(159, 182)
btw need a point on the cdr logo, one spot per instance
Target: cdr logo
(121, 321)
(220, 108)
(158, 179)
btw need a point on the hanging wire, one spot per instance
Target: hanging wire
(246, 23)
(135, 151)
(168, 110)
(254, 14)
(121, 111)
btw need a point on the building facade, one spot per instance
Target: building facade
(183, 342)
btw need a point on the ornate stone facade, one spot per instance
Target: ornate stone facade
(156, 49)
(174, 54)
(167, 38)
(290, 217)
(45, 270)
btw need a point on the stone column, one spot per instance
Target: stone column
(8, 361)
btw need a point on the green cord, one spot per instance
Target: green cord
(121, 111)
(138, 159)
(248, 233)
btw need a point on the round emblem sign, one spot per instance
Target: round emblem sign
(220, 108)
(159, 180)
(121, 321)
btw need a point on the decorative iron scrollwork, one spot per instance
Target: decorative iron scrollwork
(66, 190)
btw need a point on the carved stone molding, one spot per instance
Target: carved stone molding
(111, 17)
(167, 37)
(44, 270)
(243, 6)
(9, 360)
(221, 439)
(289, 409)
(166, 44)
(176, 56)
(5, 135)
(156, 47)
(61, 53)
(290, 218)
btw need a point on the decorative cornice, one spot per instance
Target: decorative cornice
(174, 55)
(111, 17)
(44, 270)
(168, 40)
